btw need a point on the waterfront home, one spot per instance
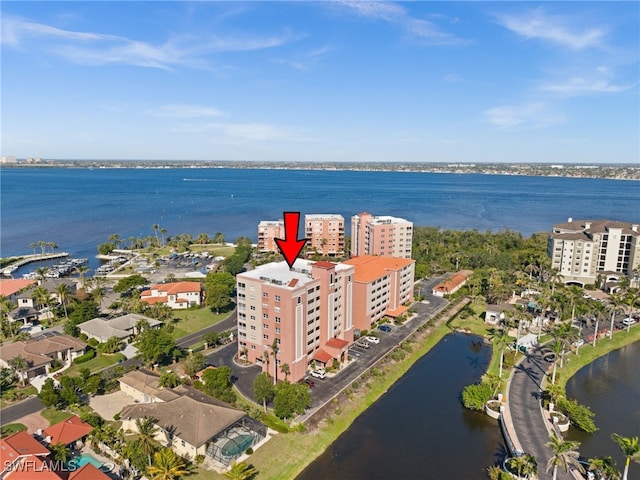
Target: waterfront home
(197, 424)
(88, 472)
(494, 314)
(122, 327)
(71, 432)
(40, 352)
(175, 295)
(452, 284)
(12, 287)
(16, 448)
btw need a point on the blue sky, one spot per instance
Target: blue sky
(322, 81)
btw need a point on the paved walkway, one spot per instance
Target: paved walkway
(526, 416)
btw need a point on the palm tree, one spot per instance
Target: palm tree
(274, 351)
(630, 449)
(266, 357)
(240, 471)
(284, 368)
(565, 455)
(167, 466)
(60, 452)
(600, 311)
(500, 339)
(20, 365)
(32, 245)
(82, 270)
(604, 468)
(64, 294)
(41, 273)
(632, 297)
(147, 430)
(98, 295)
(554, 276)
(616, 301)
(524, 465)
(156, 227)
(163, 232)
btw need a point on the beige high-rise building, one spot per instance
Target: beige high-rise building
(381, 235)
(583, 249)
(325, 234)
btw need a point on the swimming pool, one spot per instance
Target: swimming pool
(81, 460)
(237, 445)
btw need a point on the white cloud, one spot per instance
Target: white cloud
(101, 49)
(576, 86)
(186, 111)
(554, 29)
(426, 31)
(529, 115)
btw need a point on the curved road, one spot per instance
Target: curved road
(524, 401)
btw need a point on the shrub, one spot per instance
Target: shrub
(475, 396)
(355, 385)
(398, 354)
(116, 417)
(581, 416)
(249, 451)
(85, 358)
(93, 342)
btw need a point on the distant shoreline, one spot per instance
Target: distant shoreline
(588, 171)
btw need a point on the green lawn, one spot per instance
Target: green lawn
(12, 428)
(190, 321)
(12, 391)
(95, 364)
(54, 416)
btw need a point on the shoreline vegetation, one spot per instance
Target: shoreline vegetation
(603, 171)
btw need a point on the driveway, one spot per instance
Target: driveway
(108, 405)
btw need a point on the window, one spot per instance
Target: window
(277, 298)
(265, 326)
(277, 329)
(265, 336)
(265, 295)
(265, 315)
(253, 307)
(253, 347)
(253, 327)
(277, 319)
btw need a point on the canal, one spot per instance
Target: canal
(419, 429)
(610, 386)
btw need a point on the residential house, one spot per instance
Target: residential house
(16, 448)
(10, 288)
(88, 472)
(144, 387)
(122, 327)
(72, 432)
(494, 314)
(39, 352)
(175, 295)
(452, 284)
(197, 424)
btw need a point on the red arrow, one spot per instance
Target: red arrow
(291, 247)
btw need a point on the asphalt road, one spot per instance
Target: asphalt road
(524, 399)
(19, 410)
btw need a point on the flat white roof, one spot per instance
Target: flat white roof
(266, 223)
(279, 273)
(379, 220)
(320, 216)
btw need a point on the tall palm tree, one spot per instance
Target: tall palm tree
(64, 294)
(604, 468)
(286, 370)
(32, 245)
(274, 351)
(600, 312)
(565, 455)
(500, 339)
(266, 357)
(167, 466)
(156, 227)
(147, 430)
(240, 471)
(41, 273)
(524, 465)
(631, 299)
(616, 301)
(630, 449)
(20, 365)
(98, 295)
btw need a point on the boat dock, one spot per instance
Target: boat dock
(25, 259)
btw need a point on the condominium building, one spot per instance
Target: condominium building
(325, 234)
(382, 286)
(268, 231)
(381, 235)
(583, 249)
(305, 312)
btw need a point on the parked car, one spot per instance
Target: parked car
(550, 357)
(384, 328)
(363, 344)
(310, 382)
(318, 374)
(578, 343)
(628, 321)
(372, 339)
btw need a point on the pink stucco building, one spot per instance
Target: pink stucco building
(268, 231)
(305, 312)
(381, 235)
(382, 286)
(325, 234)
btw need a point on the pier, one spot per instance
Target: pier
(25, 259)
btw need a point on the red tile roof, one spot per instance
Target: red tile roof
(324, 264)
(336, 343)
(35, 468)
(455, 280)
(18, 445)
(177, 287)
(322, 356)
(398, 311)
(88, 472)
(68, 431)
(9, 287)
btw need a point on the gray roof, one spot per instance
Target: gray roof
(130, 320)
(97, 327)
(597, 226)
(191, 420)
